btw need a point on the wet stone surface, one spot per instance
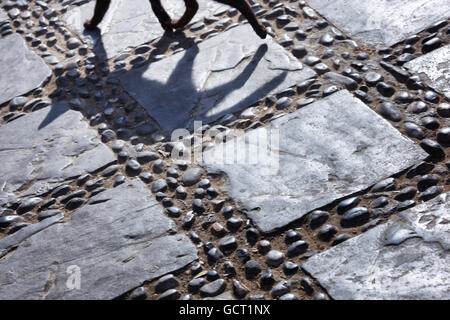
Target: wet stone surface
(332, 150)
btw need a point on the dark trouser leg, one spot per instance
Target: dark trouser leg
(101, 6)
(245, 9)
(161, 14)
(191, 10)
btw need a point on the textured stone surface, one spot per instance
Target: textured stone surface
(122, 28)
(118, 240)
(3, 16)
(46, 147)
(384, 22)
(21, 70)
(435, 66)
(221, 75)
(327, 150)
(406, 258)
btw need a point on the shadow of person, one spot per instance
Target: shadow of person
(89, 95)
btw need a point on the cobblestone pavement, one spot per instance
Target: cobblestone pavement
(94, 206)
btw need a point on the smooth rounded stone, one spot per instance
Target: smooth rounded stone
(443, 110)
(390, 111)
(326, 39)
(285, 41)
(403, 97)
(180, 192)
(196, 268)
(133, 167)
(281, 288)
(28, 205)
(146, 157)
(443, 136)
(267, 280)
(60, 191)
(430, 123)
(307, 285)
(433, 148)
(385, 89)
(252, 235)
(195, 285)
(388, 184)
(166, 282)
(214, 288)
(172, 182)
(229, 269)
(212, 193)
(234, 223)
(321, 68)
(108, 135)
(204, 183)
(73, 43)
(263, 246)
(158, 166)
(405, 205)
(288, 297)
(427, 180)
(138, 294)
(188, 220)
(347, 204)
(349, 83)
(300, 35)
(283, 103)
(252, 268)
(198, 206)
(110, 171)
(292, 236)
(431, 96)
(291, 26)
(173, 212)
(406, 193)
(417, 107)
(199, 193)
(419, 169)
(431, 44)
(171, 294)
(74, 203)
(320, 296)
(290, 267)
(212, 275)
(47, 214)
(239, 290)
(227, 212)
(6, 221)
(228, 244)
(159, 185)
(430, 193)
(311, 60)
(328, 54)
(17, 103)
(372, 78)
(317, 218)
(413, 130)
(355, 217)
(330, 90)
(304, 102)
(379, 202)
(297, 248)
(274, 258)
(215, 255)
(327, 232)
(146, 177)
(191, 176)
(340, 238)
(119, 180)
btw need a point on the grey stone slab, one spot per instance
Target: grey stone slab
(406, 258)
(46, 147)
(21, 70)
(383, 22)
(122, 28)
(3, 16)
(325, 151)
(223, 74)
(435, 66)
(118, 240)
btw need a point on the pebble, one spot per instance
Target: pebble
(195, 285)
(443, 110)
(239, 290)
(430, 193)
(290, 267)
(159, 185)
(340, 238)
(6, 221)
(228, 244)
(433, 148)
(327, 232)
(326, 39)
(133, 168)
(317, 218)
(288, 297)
(252, 268)
(347, 204)
(28, 205)
(138, 294)
(214, 288)
(170, 294)
(191, 176)
(388, 184)
(267, 280)
(390, 111)
(297, 248)
(355, 217)
(443, 136)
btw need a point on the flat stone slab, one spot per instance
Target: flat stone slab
(115, 242)
(325, 151)
(21, 70)
(3, 16)
(384, 22)
(223, 74)
(46, 147)
(436, 68)
(406, 258)
(122, 28)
